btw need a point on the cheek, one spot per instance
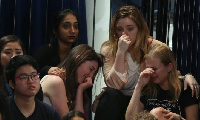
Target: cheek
(4, 60)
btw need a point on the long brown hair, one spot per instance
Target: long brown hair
(141, 44)
(70, 64)
(163, 52)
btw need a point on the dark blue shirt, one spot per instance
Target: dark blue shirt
(42, 111)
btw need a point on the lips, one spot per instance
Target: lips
(72, 37)
(32, 87)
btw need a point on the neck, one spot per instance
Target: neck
(25, 104)
(64, 49)
(165, 85)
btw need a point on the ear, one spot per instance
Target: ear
(11, 84)
(77, 57)
(170, 66)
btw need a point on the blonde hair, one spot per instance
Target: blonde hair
(144, 115)
(163, 52)
(141, 44)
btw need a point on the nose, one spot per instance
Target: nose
(72, 30)
(30, 79)
(125, 32)
(13, 55)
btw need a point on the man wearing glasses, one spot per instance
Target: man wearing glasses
(22, 76)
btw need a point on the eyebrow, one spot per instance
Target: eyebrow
(70, 22)
(27, 74)
(11, 49)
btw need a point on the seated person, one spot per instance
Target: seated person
(81, 66)
(22, 76)
(158, 113)
(74, 115)
(143, 115)
(159, 86)
(4, 107)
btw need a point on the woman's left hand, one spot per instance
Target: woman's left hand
(191, 81)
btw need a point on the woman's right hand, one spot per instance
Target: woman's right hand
(145, 77)
(123, 43)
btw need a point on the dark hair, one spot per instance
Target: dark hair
(55, 22)
(72, 114)
(3, 41)
(17, 62)
(10, 38)
(70, 64)
(4, 107)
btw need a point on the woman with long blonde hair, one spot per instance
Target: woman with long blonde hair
(159, 86)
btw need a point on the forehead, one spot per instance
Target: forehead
(92, 63)
(153, 61)
(70, 18)
(125, 22)
(12, 44)
(25, 69)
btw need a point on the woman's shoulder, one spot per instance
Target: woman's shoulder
(105, 48)
(52, 81)
(153, 42)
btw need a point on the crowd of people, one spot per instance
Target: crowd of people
(140, 72)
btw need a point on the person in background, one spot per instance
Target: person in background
(157, 113)
(64, 31)
(159, 86)
(10, 46)
(4, 107)
(123, 56)
(74, 115)
(81, 66)
(143, 115)
(22, 75)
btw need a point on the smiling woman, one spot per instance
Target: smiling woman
(70, 93)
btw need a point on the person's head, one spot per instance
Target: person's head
(22, 75)
(65, 26)
(162, 62)
(74, 115)
(82, 62)
(10, 46)
(130, 21)
(144, 115)
(158, 113)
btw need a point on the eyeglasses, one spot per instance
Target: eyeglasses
(24, 77)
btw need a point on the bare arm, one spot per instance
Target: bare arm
(54, 88)
(79, 94)
(135, 105)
